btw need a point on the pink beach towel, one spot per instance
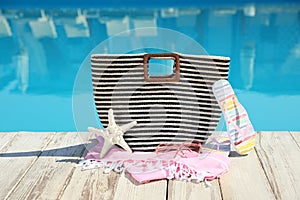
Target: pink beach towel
(147, 166)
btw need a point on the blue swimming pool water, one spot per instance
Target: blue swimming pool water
(42, 51)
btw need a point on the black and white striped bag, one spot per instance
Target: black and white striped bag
(179, 107)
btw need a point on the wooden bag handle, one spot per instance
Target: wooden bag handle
(175, 77)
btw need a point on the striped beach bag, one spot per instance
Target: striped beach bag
(174, 107)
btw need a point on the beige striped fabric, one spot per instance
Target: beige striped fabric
(166, 112)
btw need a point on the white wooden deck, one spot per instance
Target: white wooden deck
(41, 166)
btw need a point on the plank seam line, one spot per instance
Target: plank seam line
(30, 166)
(294, 139)
(167, 189)
(68, 180)
(12, 139)
(66, 184)
(266, 175)
(116, 178)
(220, 187)
(277, 196)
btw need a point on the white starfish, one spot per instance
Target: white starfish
(113, 134)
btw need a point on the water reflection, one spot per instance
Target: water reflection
(42, 49)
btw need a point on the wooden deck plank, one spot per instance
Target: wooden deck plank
(52, 171)
(156, 190)
(279, 155)
(178, 190)
(296, 136)
(245, 180)
(5, 138)
(17, 155)
(91, 184)
(272, 172)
